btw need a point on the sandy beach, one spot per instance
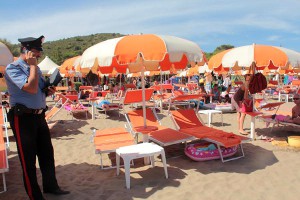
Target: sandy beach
(267, 172)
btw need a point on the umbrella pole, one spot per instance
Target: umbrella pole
(161, 82)
(143, 96)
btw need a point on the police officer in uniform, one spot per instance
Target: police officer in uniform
(28, 92)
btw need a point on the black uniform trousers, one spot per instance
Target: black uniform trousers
(33, 139)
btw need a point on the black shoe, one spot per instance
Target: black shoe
(58, 191)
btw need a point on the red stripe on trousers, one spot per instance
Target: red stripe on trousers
(29, 190)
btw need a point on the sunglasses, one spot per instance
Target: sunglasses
(296, 99)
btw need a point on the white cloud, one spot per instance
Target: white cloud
(273, 38)
(201, 21)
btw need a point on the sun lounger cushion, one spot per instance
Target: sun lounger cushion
(3, 158)
(168, 135)
(162, 135)
(108, 140)
(223, 138)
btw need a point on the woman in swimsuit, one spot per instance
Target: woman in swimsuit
(240, 95)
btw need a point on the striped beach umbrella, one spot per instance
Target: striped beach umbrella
(262, 55)
(149, 51)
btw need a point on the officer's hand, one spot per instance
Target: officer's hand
(51, 90)
(30, 58)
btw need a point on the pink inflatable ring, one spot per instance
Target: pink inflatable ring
(208, 151)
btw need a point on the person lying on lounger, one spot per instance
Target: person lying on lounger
(101, 102)
(296, 110)
(295, 118)
(76, 106)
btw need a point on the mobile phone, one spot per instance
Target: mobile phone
(24, 50)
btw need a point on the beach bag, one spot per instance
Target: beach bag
(246, 105)
(258, 81)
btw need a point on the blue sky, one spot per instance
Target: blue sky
(209, 23)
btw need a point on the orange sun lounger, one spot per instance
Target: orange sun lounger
(267, 111)
(184, 100)
(4, 122)
(108, 140)
(162, 135)
(188, 122)
(3, 160)
(53, 112)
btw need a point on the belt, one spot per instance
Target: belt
(34, 111)
(31, 111)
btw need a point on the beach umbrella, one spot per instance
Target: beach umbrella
(193, 71)
(182, 73)
(203, 69)
(139, 53)
(6, 57)
(262, 55)
(70, 65)
(222, 70)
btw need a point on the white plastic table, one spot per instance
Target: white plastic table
(252, 125)
(209, 114)
(141, 150)
(285, 96)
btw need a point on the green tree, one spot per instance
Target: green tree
(218, 50)
(222, 48)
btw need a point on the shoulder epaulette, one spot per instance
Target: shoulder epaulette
(15, 63)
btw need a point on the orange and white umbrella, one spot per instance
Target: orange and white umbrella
(139, 53)
(193, 71)
(262, 55)
(6, 56)
(70, 65)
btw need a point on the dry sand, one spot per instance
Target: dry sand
(266, 172)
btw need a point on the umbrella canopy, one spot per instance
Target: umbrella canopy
(46, 65)
(193, 71)
(69, 64)
(139, 53)
(6, 56)
(262, 55)
(203, 69)
(182, 73)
